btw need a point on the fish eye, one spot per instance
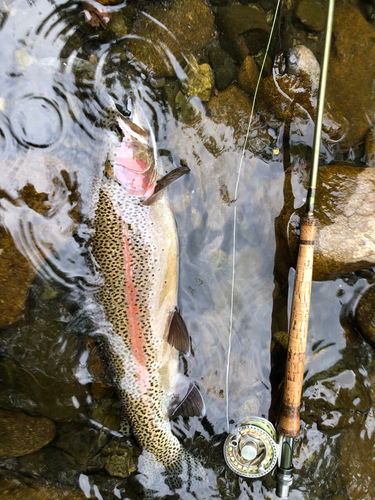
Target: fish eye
(113, 126)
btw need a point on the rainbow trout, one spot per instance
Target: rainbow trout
(135, 246)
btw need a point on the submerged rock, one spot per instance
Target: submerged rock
(119, 458)
(248, 75)
(106, 412)
(312, 14)
(100, 385)
(365, 315)
(357, 455)
(44, 370)
(200, 80)
(19, 487)
(231, 107)
(21, 434)
(224, 67)
(344, 207)
(39, 206)
(292, 91)
(163, 35)
(351, 72)
(16, 275)
(243, 30)
(51, 464)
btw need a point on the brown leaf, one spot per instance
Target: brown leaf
(95, 17)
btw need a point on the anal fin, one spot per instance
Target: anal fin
(178, 335)
(191, 405)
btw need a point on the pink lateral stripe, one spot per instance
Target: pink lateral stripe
(137, 340)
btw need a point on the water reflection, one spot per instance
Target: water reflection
(55, 82)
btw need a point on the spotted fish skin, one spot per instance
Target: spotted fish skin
(136, 249)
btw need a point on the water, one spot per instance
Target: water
(56, 74)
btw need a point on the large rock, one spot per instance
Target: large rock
(291, 92)
(351, 74)
(183, 29)
(21, 434)
(243, 30)
(344, 207)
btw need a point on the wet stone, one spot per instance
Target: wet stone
(351, 71)
(16, 276)
(106, 412)
(200, 80)
(357, 455)
(312, 14)
(243, 30)
(344, 208)
(79, 441)
(100, 385)
(119, 458)
(18, 487)
(224, 67)
(248, 75)
(290, 93)
(32, 188)
(336, 398)
(189, 26)
(365, 315)
(43, 370)
(232, 107)
(21, 434)
(51, 464)
(185, 109)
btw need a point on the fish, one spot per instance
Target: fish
(135, 247)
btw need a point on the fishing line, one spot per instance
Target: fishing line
(235, 213)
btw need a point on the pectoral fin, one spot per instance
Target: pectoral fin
(178, 335)
(191, 405)
(165, 181)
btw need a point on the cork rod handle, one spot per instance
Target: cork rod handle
(289, 420)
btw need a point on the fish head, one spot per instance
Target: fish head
(131, 158)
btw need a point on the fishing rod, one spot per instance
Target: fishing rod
(250, 449)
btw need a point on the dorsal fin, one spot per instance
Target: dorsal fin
(178, 335)
(165, 181)
(191, 405)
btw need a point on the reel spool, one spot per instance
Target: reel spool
(251, 450)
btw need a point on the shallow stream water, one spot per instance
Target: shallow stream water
(56, 71)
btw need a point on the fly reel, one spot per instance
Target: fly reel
(250, 450)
